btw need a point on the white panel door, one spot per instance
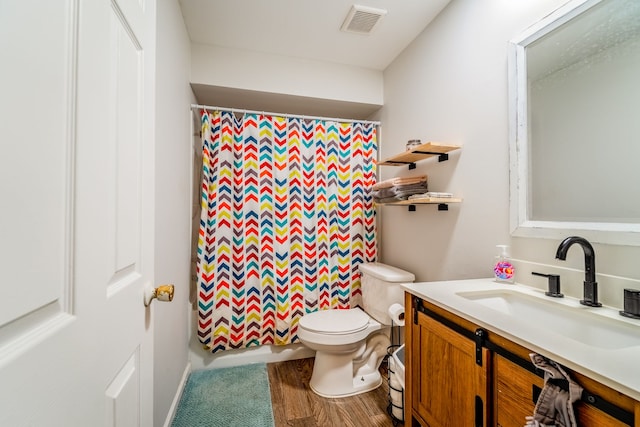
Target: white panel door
(76, 212)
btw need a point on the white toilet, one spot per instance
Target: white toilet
(350, 344)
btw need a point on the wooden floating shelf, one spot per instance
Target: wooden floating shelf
(421, 152)
(425, 201)
(442, 202)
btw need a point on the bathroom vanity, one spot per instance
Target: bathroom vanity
(467, 355)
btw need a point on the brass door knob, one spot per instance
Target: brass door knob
(161, 293)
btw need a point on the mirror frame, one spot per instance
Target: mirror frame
(520, 204)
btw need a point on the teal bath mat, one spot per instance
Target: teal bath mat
(237, 396)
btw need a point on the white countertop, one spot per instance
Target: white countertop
(617, 366)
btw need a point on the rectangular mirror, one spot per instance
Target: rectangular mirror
(575, 124)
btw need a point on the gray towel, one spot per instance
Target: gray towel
(555, 404)
(400, 190)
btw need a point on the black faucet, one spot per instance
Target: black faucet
(590, 285)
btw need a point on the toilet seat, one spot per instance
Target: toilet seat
(336, 330)
(335, 322)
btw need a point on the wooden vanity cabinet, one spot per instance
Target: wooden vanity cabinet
(453, 377)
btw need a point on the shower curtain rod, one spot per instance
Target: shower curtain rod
(243, 111)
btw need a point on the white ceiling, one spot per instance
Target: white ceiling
(309, 29)
(306, 29)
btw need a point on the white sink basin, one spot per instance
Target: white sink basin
(577, 323)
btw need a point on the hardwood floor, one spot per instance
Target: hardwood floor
(294, 404)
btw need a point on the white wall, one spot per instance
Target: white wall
(240, 69)
(450, 85)
(173, 203)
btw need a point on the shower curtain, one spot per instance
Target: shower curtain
(287, 216)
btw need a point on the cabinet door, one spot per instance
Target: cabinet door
(515, 398)
(449, 389)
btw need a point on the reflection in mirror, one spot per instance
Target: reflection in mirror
(576, 137)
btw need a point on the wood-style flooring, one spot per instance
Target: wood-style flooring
(294, 404)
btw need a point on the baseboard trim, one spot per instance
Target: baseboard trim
(203, 359)
(178, 396)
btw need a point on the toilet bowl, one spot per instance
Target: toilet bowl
(350, 344)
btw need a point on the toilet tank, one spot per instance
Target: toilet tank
(380, 284)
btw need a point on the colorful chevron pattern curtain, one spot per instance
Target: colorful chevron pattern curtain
(287, 217)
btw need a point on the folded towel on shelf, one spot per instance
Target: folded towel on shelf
(400, 190)
(430, 194)
(555, 404)
(400, 181)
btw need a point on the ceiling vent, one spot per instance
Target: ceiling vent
(362, 19)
